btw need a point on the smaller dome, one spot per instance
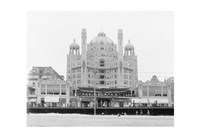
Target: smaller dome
(129, 45)
(74, 45)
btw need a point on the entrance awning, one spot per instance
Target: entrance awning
(87, 99)
(140, 100)
(159, 100)
(136, 100)
(51, 99)
(32, 100)
(144, 100)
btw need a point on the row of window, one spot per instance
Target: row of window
(126, 82)
(53, 93)
(78, 82)
(76, 76)
(102, 47)
(75, 70)
(103, 76)
(53, 88)
(102, 82)
(104, 71)
(126, 77)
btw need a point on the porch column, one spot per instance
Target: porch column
(46, 88)
(169, 96)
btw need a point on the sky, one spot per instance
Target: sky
(50, 33)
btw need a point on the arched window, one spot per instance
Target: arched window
(102, 63)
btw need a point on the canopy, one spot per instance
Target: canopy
(158, 100)
(51, 99)
(144, 100)
(89, 89)
(32, 100)
(139, 100)
(136, 100)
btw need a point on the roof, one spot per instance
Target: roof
(42, 71)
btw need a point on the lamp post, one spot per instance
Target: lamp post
(95, 92)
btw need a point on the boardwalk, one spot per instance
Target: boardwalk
(98, 120)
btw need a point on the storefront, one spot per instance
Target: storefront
(121, 102)
(139, 102)
(32, 102)
(63, 102)
(87, 102)
(51, 101)
(162, 102)
(74, 102)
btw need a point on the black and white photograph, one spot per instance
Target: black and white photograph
(116, 68)
(100, 68)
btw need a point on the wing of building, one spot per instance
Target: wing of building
(46, 88)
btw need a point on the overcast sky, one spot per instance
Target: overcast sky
(151, 33)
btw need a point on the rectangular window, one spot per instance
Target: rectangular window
(78, 70)
(125, 76)
(79, 75)
(126, 82)
(63, 89)
(102, 82)
(43, 88)
(102, 71)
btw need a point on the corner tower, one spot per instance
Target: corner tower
(83, 57)
(120, 59)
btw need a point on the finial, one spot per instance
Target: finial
(101, 27)
(129, 41)
(74, 40)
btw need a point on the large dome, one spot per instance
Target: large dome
(101, 39)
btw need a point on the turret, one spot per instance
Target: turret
(83, 57)
(120, 43)
(84, 40)
(129, 49)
